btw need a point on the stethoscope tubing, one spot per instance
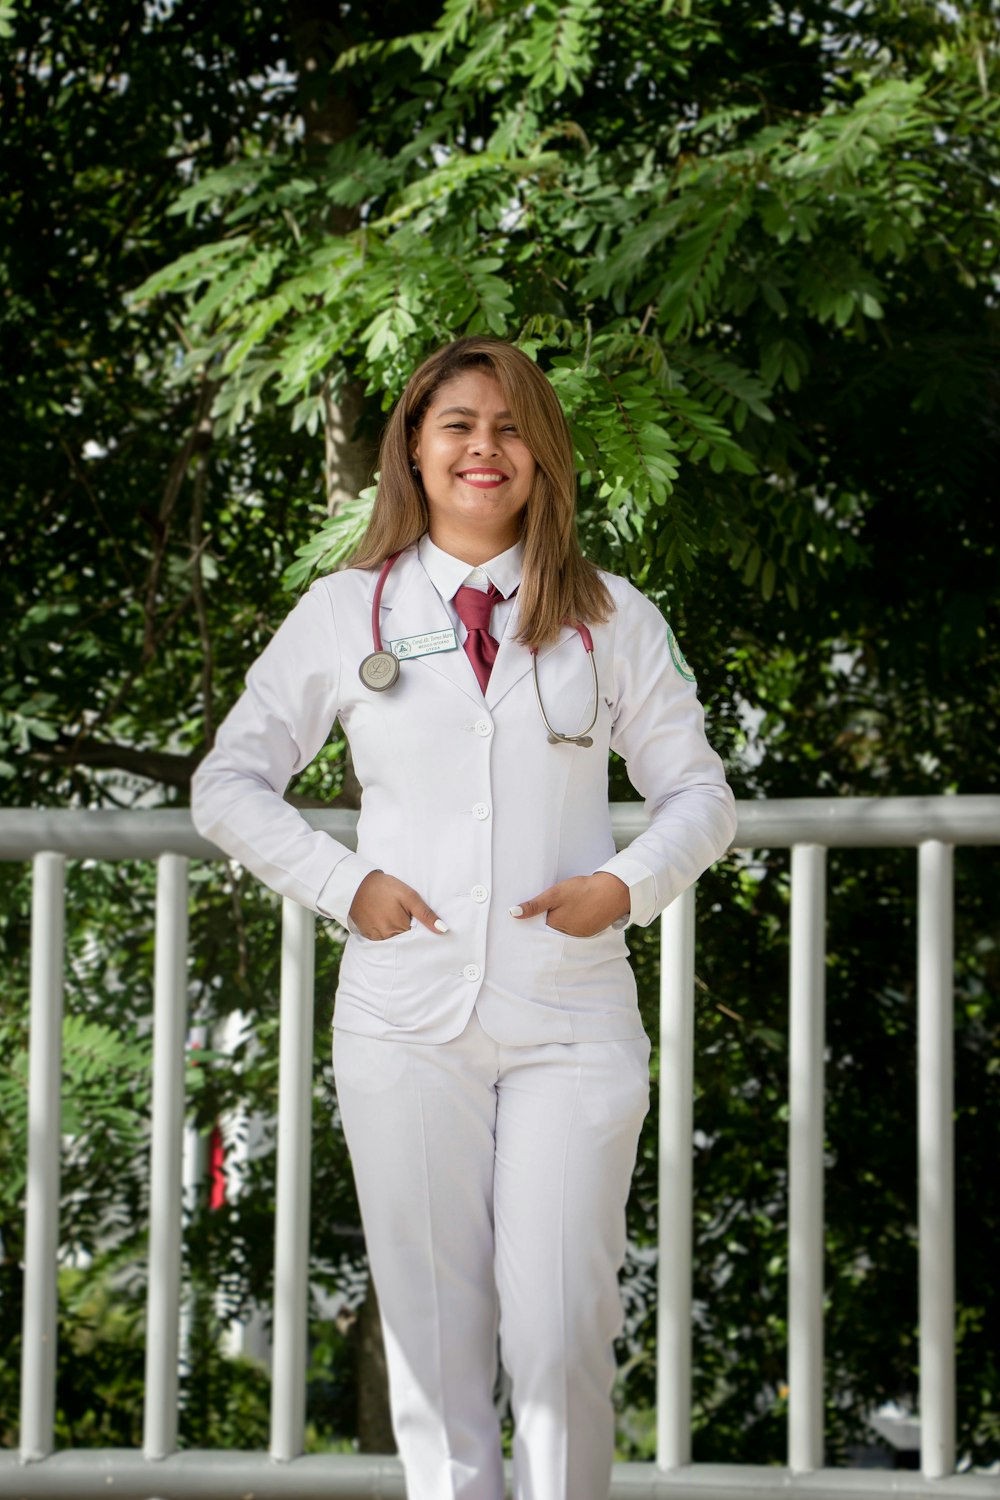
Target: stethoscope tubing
(379, 681)
(377, 599)
(555, 738)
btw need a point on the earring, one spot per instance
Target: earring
(416, 471)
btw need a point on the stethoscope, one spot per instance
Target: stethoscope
(380, 668)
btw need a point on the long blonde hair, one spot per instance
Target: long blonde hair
(558, 584)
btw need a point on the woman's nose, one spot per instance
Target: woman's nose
(483, 442)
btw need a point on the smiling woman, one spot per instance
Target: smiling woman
(557, 583)
(475, 468)
(491, 1066)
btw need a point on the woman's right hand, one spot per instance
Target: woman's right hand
(383, 907)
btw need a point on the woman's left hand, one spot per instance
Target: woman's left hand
(581, 906)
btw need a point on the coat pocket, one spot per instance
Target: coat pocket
(368, 970)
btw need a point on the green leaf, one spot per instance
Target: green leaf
(332, 544)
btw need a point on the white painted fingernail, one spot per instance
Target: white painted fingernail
(439, 926)
(517, 911)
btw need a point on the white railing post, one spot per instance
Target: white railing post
(807, 1004)
(291, 1249)
(676, 1127)
(194, 1159)
(41, 1234)
(935, 1005)
(169, 1023)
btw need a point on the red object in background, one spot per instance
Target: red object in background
(216, 1169)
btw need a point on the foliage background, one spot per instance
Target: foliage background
(754, 247)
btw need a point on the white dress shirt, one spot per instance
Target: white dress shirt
(448, 574)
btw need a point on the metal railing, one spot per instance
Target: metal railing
(934, 826)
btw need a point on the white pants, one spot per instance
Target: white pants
(492, 1182)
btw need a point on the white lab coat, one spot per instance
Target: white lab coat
(467, 802)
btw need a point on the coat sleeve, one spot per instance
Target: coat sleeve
(278, 725)
(658, 727)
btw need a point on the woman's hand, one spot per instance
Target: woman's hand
(581, 906)
(383, 908)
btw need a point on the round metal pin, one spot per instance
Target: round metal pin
(379, 670)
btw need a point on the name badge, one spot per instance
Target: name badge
(423, 645)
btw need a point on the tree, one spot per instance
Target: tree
(754, 251)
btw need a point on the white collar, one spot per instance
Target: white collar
(448, 573)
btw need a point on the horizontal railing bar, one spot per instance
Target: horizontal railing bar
(835, 822)
(113, 833)
(867, 822)
(94, 1474)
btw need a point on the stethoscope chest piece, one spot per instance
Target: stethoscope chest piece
(379, 670)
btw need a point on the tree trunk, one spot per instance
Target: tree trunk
(330, 115)
(374, 1425)
(348, 459)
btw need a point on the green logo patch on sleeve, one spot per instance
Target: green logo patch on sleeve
(678, 657)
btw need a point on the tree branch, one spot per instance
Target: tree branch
(197, 442)
(168, 767)
(198, 543)
(157, 765)
(82, 479)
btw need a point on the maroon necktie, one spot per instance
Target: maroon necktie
(474, 610)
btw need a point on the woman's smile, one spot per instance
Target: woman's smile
(484, 479)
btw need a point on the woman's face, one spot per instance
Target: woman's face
(476, 470)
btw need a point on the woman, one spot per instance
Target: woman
(490, 1061)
